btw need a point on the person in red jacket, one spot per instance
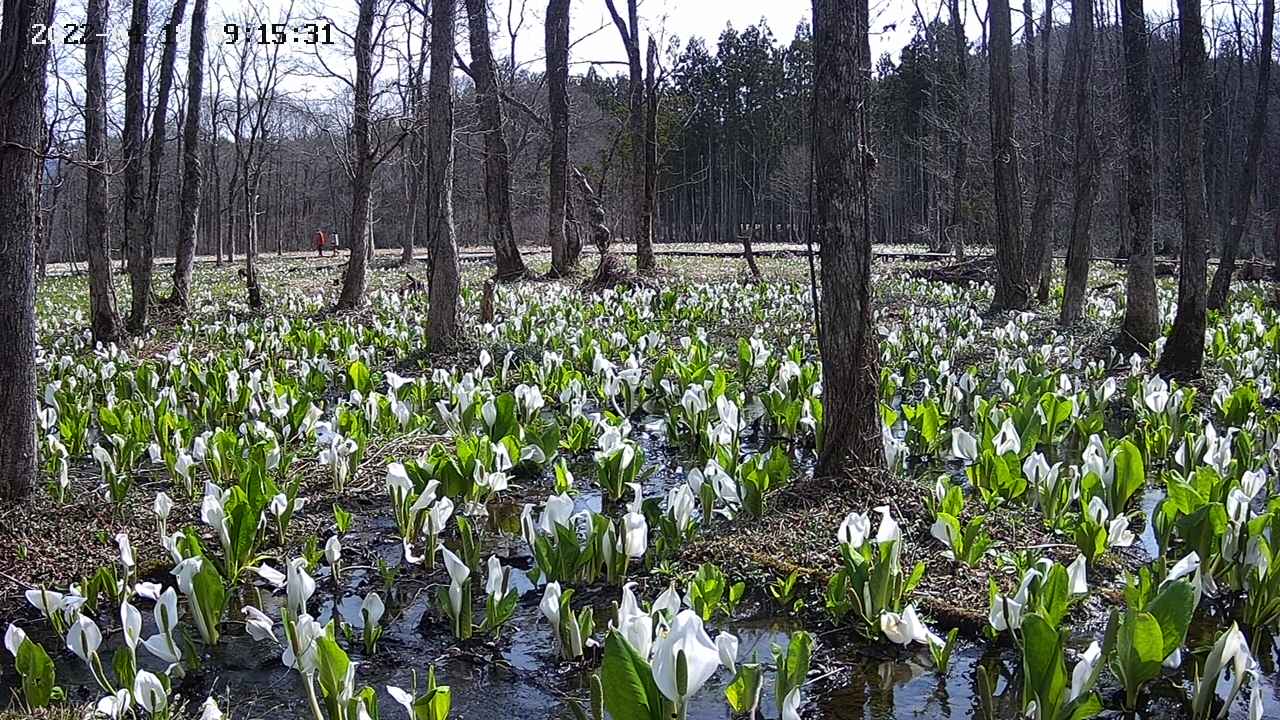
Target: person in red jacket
(320, 242)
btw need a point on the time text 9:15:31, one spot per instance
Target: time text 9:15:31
(279, 33)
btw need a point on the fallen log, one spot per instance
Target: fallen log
(974, 270)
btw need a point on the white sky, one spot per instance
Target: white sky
(595, 38)
(704, 18)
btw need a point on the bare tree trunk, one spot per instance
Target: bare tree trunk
(415, 219)
(417, 153)
(1183, 354)
(40, 233)
(134, 193)
(44, 214)
(446, 280)
(1086, 168)
(955, 227)
(497, 166)
(254, 289)
(629, 31)
(22, 85)
(215, 203)
(102, 294)
(573, 226)
(1033, 74)
(1142, 313)
(848, 339)
(371, 242)
(189, 202)
(649, 210)
(1012, 292)
(749, 253)
(1248, 177)
(1275, 244)
(1039, 256)
(353, 280)
(142, 246)
(557, 47)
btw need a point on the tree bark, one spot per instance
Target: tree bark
(497, 165)
(251, 227)
(353, 280)
(629, 31)
(442, 317)
(1012, 291)
(557, 47)
(189, 202)
(371, 242)
(142, 243)
(1183, 354)
(649, 210)
(40, 233)
(1248, 177)
(954, 230)
(1033, 74)
(1275, 244)
(102, 294)
(1142, 312)
(1039, 255)
(1085, 168)
(417, 153)
(22, 89)
(219, 225)
(848, 340)
(131, 145)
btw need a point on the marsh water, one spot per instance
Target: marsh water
(521, 676)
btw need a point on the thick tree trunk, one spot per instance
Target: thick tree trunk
(353, 280)
(1248, 177)
(629, 31)
(1085, 168)
(497, 165)
(131, 146)
(442, 319)
(22, 87)
(557, 47)
(1039, 255)
(1012, 292)
(102, 294)
(1184, 351)
(848, 340)
(1142, 312)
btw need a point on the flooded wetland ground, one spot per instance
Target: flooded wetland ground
(345, 511)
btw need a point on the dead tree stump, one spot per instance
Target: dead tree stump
(612, 271)
(486, 302)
